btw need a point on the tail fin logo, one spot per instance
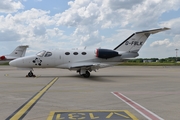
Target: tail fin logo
(135, 43)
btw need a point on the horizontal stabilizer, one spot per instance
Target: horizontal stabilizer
(153, 31)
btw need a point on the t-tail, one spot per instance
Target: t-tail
(19, 51)
(136, 40)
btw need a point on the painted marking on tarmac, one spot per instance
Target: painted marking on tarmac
(6, 75)
(142, 110)
(26, 107)
(91, 115)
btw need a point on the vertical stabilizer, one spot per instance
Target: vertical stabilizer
(19, 51)
(136, 40)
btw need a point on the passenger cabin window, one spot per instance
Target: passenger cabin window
(48, 54)
(84, 53)
(67, 53)
(75, 53)
(41, 53)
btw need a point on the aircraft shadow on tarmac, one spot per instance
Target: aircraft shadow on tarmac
(98, 78)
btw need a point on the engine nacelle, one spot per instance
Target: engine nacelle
(106, 53)
(2, 57)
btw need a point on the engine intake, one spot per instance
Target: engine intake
(106, 53)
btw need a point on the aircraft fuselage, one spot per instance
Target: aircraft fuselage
(66, 59)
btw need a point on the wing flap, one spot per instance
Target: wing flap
(87, 66)
(90, 66)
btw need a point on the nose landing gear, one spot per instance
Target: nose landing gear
(30, 74)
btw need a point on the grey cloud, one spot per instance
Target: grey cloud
(9, 35)
(147, 14)
(165, 42)
(83, 15)
(86, 17)
(174, 24)
(123, 4)
(87, 36)
(92, 40)
(39, 30)
(9, 6)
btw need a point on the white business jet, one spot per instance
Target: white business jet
(84, 61)
(18, 52)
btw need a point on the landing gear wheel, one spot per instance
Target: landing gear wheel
(30, 74)
(78, 71)
(87, 74)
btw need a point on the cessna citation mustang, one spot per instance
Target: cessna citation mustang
(84, 61)
(18, 52)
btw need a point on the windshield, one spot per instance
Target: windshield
(40, 54)
(48, 54)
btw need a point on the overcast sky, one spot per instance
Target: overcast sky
(62, 24)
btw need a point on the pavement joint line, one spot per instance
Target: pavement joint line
(27, 106)
(142, 110)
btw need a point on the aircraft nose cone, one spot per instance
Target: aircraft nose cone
(16, 62)
(12, 63)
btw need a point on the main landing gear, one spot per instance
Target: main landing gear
(87, 74)
(30, 74)
(84, 73)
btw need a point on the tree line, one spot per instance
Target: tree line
(162, 60)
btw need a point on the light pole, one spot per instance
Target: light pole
(176, 53)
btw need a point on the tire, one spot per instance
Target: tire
(87, 74)
(30, 74)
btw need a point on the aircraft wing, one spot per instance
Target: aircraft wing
(88, 66)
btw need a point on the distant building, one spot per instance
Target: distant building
(147, 61)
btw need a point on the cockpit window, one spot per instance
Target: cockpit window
(41, 53)
(48, 54)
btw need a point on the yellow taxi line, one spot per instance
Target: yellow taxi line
(22, 111)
